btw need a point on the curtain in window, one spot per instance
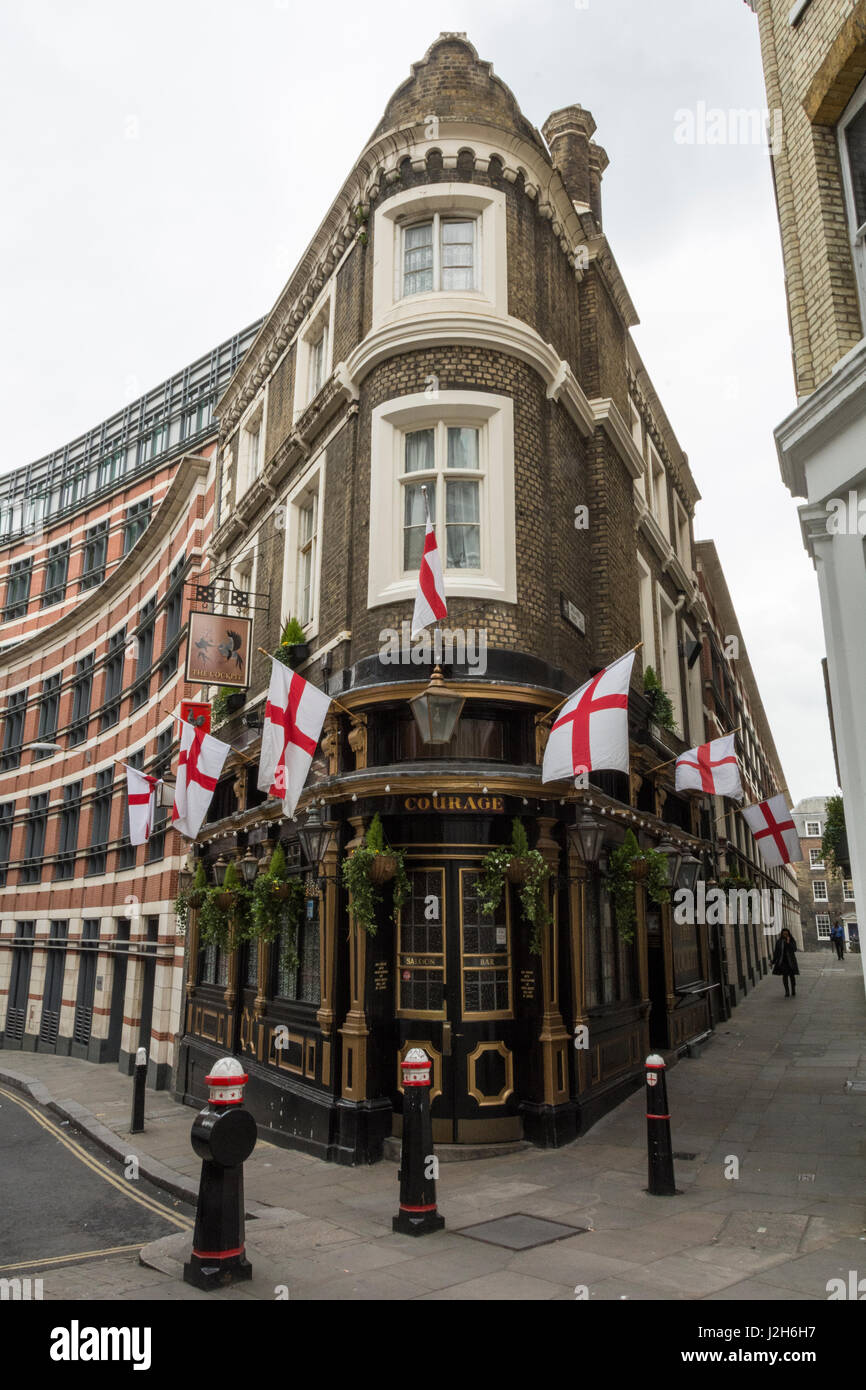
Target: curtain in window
(418, 259)
(458, 240)
(462, 526)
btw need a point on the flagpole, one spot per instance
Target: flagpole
(549, 713)
(330, 697)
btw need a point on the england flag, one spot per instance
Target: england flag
(772, 825)
(199, 766)
(430, 598)
(711, 768)
(141, 796)
(591, 732)
(294, 715)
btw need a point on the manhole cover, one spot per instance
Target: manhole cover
(520, 1232)
(678, 1153)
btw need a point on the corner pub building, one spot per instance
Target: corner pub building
(458, 320)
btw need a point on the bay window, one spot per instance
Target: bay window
(440, 254)
(459, 447)
(446, 456)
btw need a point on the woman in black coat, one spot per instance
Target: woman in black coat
(785, 961)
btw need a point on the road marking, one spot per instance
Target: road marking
(122, 1185)
(82, 1255)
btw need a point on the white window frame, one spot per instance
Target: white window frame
(813, 834)
(816, 862)
(319, 320)
(856, 234)
(669, 659)
(848, 890)
(820, 897)
(435, 221)
(242, 573)
(494, 416)
(647, 620)
(311, 483)
(694, 693)
(658, 483)
(682, 539)
(252, 425)
(822, 925)
(442, 200)
(637, 435)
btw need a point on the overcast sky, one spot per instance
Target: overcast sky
(164, 165)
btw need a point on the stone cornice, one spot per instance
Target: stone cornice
(821, 417)
(378, 167)
(191, 472)
(510, 336)
(606, 414)
(647, 523)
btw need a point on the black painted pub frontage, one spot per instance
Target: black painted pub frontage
(524, 1046)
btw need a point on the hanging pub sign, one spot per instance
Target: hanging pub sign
(218, 650)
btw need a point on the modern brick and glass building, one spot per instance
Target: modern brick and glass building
(814, 59)
(98, 544)
(459, 321)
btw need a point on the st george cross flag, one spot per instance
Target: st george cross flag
(711, 768)
(430, 598)
(200, 764)
(591, 731)
(294, 715)
(773, 827)
(141, 791)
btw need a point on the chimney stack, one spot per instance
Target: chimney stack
(579, 162)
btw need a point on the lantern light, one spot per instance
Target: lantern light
(673, 859)
(219, 871)
(436, 710)
(315, 837)
(249, 866)
(690, 867)
(590, 837)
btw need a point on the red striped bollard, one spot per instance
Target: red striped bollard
(417, 1215)
(223, 1136)
(658, 1130)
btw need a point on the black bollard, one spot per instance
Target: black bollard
(139, 1078)
(417, 1215)
(223, 1135)
(658, 1130)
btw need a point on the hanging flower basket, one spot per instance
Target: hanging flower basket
(640, 868)
(225, 901)
(281, 891)
(518, 871)
(365, 870)
(382, 868)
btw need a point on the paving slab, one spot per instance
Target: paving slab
(770, 1088)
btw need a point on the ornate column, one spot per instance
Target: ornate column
(642, 953)
(192, 949)
(554, 1038)
(328, 903)
(355, 1031)
(578, 875)
(262, 962)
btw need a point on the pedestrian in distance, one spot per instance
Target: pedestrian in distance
(837, 936)
(785, 962)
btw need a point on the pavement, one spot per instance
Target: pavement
(770, 1118)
